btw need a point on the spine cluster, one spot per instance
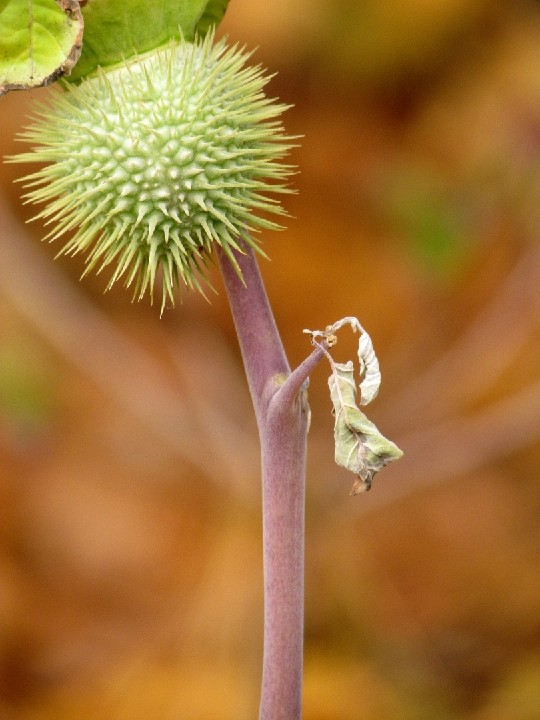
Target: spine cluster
(149, 165)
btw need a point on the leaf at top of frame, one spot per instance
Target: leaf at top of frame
(40, 40)
(116, 30)
(212, 15)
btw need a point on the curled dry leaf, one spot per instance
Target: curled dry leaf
(360, 447)
(370, 374)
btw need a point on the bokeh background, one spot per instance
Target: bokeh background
(130, 558)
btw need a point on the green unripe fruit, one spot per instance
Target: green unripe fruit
(151, 164)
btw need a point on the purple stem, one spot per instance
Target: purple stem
(282, 412)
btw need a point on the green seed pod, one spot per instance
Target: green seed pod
(151, 164)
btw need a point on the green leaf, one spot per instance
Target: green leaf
(115, 30)
(40, 40)
(360, 447)
(212, 15)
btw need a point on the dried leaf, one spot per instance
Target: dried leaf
(370, 373)
(360, 447)
(369, 369)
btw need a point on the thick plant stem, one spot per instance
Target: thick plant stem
(260, 343)
(283, 463)
(282, 414)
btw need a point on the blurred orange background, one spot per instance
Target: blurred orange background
(130, 553)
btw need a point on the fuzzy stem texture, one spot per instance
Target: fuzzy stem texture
(282, 413)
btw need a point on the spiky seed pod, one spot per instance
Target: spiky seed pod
(151, 164)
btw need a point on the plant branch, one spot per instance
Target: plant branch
(297, 380)
(282, 414)
(260, 342)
